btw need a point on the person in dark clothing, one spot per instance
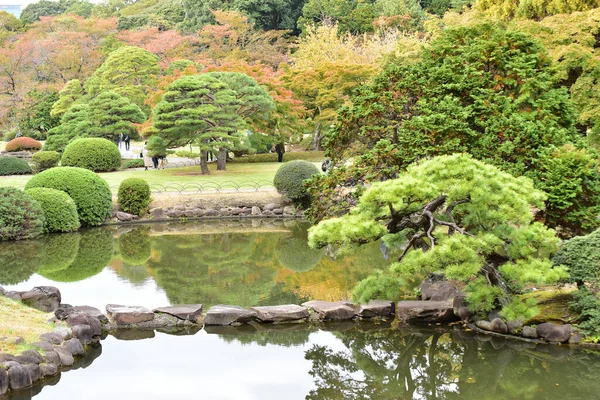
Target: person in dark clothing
(126, 139)
(155, 162)
(279, 149)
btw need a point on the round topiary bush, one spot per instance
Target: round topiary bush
(21, 217)
(135, 163)
(14, 166)
(23, 143)
(44, 160)
(582, 255)
(95, 154)
(60, 212)
(91, 193)
(290, 177)
(134, 196)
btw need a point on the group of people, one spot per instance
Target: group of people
(152, 162)
(124, 139)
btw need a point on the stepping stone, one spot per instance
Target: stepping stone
(128, 315)
(377, 308)
(283, 313)
(332, 311)
(227, 315)
(426, 311)
(189, 312)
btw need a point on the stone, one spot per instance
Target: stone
(554, 333)
(82, 318)
(66, 358)
(48, 369)
(74, 346)
(158, 213)
(499, 326)
(246, 211)
(514, 326)
(211, 212)
(174, 213)
(13, 295)
(3, 381)
(438, 290)
(189, 312)
(2, 291)
(236, 211)
(84, 333)
(278, 211)
(256, 211)
(227, 315)
(4, 357)
(18, 377)
(575, 338)
(189, 213)
(180, 207)
(44, 298)
(34, 372)
(270, 207)
(464, 313)
(283, 313)
(377, 308)
(529, 332)
(64, 332)
(52, 338)
(330, 311)
(124, 217)
(483, 324)
(17, 340)
(133, 334)
(267, 212)
(52, 357)
(30, 357)
(289, 210)
(425, 311)
(93, 311)
(42, 346)
(63, 311)
(127, 315)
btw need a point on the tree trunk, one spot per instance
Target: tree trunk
(221, 159)
(317, 139)
(204, 162)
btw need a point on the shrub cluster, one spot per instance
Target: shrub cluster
(291, 156)
(13, 166)
(290, 177)
(95, 154)
(582, 256)
(134, 196)
(134, 163)
(21, 217)
(56, 143)
(23, 143)
(44, 160)
(60, 212)
(91, 193)
(8, 136)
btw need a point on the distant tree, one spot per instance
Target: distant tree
(9, 22)
(111, 114)
(35, 118)
(70, 93)
(272, 14)
(41, 8)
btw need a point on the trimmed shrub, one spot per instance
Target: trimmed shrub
(56, 143)
(13, 166)
(290, 156)
(91, 193)
(60, 212)
(134, 196)
(23, 143)
(95, 154)
(43, 160)
(135, 163)
(10, 135)
(582, 255)
(21, 217)
(290, 177)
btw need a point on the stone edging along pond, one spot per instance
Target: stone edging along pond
(80, 327)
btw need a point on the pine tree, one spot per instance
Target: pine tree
(70, 93)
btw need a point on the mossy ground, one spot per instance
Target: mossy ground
(553, 304)
(17, 320)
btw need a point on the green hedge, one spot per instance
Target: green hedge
(135, 163)
(582, 255)
(290, 177)
(272, 157)
(95, 154)
(60, 212)
(56, 143)
(44, 160)
(134, 196)
(13, 166)
(91, 193)
(21, 217)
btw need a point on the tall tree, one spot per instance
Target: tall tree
(69, 94)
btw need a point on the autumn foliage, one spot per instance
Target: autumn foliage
(23, 143)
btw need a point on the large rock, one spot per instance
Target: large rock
(13, 295)
(53, 338)
(186, 312)
(255, 211)
(554, 333)
(158, 213)
(82, 318)
(425, 311)
(125, 217)
(483, 324)
(42, 345)
(499, 326)
(66, 358)
(2, 291)
(64, 332)
(514, 326)
(84, 333)
(74, 346)
(330, 311)
(128, 315)
(270, 207)
(3, 381)
(34, 372)
(48, 369)
(438, 290)
(377, 308)
(529, 332)
(18, 376)
(65, 310)
(289, 210)
(52, 357)
(30, 357)
(44, 298)
(283, 313)
(228, 315)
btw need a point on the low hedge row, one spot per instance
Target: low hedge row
(13, 166)
(272, 157)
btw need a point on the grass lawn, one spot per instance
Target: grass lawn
(19, 320)
(237, 173)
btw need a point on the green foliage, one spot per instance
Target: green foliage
(21, 217)
(59, 251)
(187, 154)
(135, 163)
(56, 143)
(43, 160)
(95, 154)
(74, 122)
(181, 65)
(157, 146)
(13, 166)
(262, 143)
(455, 215)
(35, 118)
(8, 136)
(134, 196)
(60, 212)
(582, 256)
(135, 246)
(163, 14)
(295, 254)
(70, 93)
(110, 114)
(91, 193)
(533, 9)
(23, 257)
(23, 144)
(290, 177)
(586, 305)
(312, 156)
(42, 8)
(523, 309)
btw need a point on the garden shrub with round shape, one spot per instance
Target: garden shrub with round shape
(290, 177)
(135, 163)
(582, 255)
(21, 217)
(60, 211)
(95, 154)
(91, 194)
(14, 166)
(44, 160)
(135, 247)
(134, 196)
(23, 144)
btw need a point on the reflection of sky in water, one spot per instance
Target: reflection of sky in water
(101, 289)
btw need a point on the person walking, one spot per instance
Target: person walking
(280, 149)
(147, 159)
(127, 141)
(120, 140)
